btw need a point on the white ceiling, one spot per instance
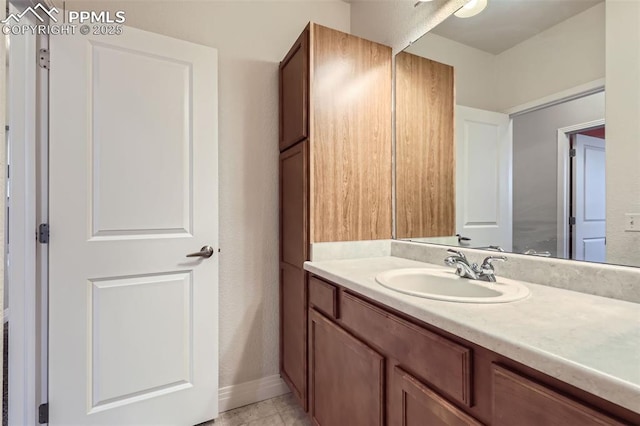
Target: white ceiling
(505, 23)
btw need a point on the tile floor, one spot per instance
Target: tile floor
(280, 411)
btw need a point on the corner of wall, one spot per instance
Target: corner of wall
(623, 128)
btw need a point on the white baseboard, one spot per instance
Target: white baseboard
(235, 396)
(5, 315)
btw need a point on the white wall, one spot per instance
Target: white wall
(623, 128)
(535, 169)
(398, 23)
(564, 56)
(251, 38)
(475, 69)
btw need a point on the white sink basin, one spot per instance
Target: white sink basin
(444, 284)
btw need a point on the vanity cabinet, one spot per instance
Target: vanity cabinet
(372, 364)
(346, 377)
(519, 400)
(335, 167)
(412, 403)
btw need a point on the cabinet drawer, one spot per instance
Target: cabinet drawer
(518, 400)
(413, 403)
(323, 296)
(442, 363)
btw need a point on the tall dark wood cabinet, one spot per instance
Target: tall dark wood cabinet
(335, 166)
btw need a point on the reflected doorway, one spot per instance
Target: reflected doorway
(588, 195)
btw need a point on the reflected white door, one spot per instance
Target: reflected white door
(133, 189)
(484, 203)
(589, 232)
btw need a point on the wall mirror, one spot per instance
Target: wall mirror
(501, 133)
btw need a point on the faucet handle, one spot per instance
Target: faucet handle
(488, 262)
(457, 253)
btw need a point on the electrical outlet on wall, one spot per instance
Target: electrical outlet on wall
(632, 222)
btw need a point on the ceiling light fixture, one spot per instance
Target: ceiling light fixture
(472, 8)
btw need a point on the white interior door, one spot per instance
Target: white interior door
(484, 202)
(133, 189)
(589, 231)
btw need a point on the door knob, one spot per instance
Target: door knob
(206, 252)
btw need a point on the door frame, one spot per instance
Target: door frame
(22, 225)
(564, 182)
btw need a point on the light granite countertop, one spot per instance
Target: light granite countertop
(588, 341)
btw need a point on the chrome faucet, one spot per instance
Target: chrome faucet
(533, 252)
(464, 269)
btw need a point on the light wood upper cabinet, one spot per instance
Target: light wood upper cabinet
(345, 102)
(350, 137)
(425, 151)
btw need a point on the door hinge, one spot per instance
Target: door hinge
(572, 221)
(43, 233)
(43, 59)
(43, 413)
(572, 152)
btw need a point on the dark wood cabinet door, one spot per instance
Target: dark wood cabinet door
(346, 380)
(294, 242)
(293, 330)
(294, 93)
(411, 403)
(294, 205)
(520, 401)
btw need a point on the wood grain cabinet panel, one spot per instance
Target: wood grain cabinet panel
(414, 404)
(425, 151)
(351, 138)
(523, 402)
(346, 377)
(442, 363)
(294, 93)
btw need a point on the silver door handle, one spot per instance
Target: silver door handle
(206, 252)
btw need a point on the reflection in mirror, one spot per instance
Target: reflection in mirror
(500, 131)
